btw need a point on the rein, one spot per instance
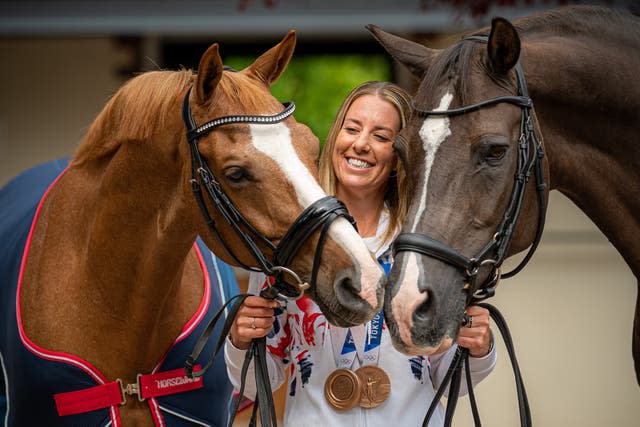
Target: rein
(530, 155)
(319, 214)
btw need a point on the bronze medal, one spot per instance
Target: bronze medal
(375, 385)
(342, 389)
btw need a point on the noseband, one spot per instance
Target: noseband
(320, 213)
(530, 155)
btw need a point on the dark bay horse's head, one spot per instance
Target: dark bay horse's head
(269, 172)
(462, 168)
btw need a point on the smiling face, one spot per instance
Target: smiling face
(363, 155)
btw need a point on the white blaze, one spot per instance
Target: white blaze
(408, 299)
(274, 140)
(433, 132)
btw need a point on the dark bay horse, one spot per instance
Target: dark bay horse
(110, 278)
(464, 152)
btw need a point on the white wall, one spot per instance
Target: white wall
(570, 311)
(570, 314)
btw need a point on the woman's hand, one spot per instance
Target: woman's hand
(476, 335)
(254, 319)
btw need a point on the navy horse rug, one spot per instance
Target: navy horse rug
(39, 387)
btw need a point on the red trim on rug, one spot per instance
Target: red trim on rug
(104, 390)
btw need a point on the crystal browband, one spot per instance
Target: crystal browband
(209, 126)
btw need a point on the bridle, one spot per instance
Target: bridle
(530, 156)
(320, 213)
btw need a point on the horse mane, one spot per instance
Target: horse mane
(594, 21)
(456, 62)
(143, 105)
(133, 113)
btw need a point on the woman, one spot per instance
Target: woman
(358, 165)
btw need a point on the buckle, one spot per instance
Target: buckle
(130, 389)
(299, 286)
(489, 289)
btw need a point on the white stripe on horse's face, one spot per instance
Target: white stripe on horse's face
(433, 132)
(407, 301)
(274, 140)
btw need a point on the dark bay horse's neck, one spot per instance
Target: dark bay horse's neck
(586, 93)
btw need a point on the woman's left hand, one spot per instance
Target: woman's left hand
(476, 335)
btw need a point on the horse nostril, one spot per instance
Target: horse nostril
(346, 293)
(423, 311)
(353, 298)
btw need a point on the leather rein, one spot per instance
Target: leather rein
(530, 156)
(319, 214)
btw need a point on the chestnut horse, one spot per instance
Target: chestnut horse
(110, 277)
(475, 130)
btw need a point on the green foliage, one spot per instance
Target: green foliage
(319, 83)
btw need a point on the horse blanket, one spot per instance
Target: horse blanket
(32, 376)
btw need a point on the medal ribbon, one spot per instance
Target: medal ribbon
(371, 351)
(347, 353)
(372, 341)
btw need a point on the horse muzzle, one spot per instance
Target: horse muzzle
(424, 305)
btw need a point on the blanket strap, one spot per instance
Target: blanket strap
(115, 392)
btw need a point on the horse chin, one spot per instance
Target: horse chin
(422, 341)
(339, 315)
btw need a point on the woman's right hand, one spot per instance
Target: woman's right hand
(254, 319)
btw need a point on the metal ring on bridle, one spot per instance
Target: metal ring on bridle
(480, 293)
(474, 270)
(300, 286)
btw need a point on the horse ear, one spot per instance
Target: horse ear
(401, 147)
(209, 73)
(412, 55)
(271, 64)
(503, 46)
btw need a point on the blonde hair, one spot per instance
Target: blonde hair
(396, 194)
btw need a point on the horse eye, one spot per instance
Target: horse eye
(236, 174)
(495, 153)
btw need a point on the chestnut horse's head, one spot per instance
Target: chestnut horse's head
(462, 164)
(265, 163)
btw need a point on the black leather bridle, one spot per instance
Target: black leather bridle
(321, 213)
(530, 160)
